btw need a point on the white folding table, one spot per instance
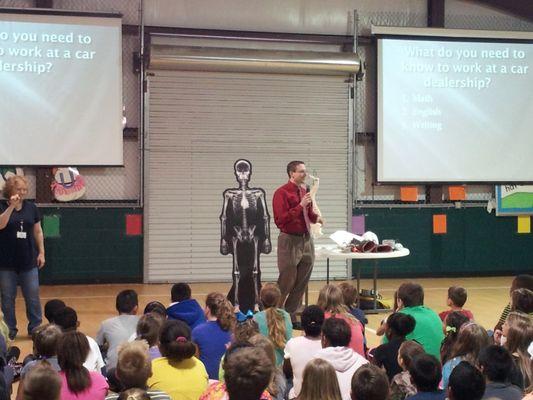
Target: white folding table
(333, 252)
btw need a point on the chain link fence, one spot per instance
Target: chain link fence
(122, 185)
(366, 191)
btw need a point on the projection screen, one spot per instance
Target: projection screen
(454, 106)
(61, 80)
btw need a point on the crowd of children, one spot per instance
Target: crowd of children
(186, 351)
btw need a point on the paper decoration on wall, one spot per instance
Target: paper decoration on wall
(514, 199)
(358, 224)
(524, 224)
(7, 172)
(456, 193)
(439, 224)
(51, 226)
(409, 193)
(68, 184)
(134, 224)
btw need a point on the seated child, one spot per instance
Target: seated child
(133, 370)
(134, 394)
(456, 299)
(42, 383)
(497, 366)
(401, 384)
(398, 326)
(452, 325)
(77, 383)
(301, 349)
(45, 341)
(119, 329)
(156, 307)
(277, 388)
(350, 296)
(212, 337)
(519, 282)
(148, 329)
(274, 323)
(522, 300)
(466, 383)
(184, 308)
(179, 373)
(426, 374)
(370, 382)
(67, 320)
(336, 337)
(52, 307)
(248, 372)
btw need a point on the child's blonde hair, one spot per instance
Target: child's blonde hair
(134, 394)
(270, 296)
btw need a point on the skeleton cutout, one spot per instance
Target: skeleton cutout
(245, 233)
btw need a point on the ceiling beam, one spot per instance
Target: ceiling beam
(44, 3)
(436, 13)
(519, 8)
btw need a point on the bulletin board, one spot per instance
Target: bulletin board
(514, 200)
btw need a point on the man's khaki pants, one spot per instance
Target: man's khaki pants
(296, 255)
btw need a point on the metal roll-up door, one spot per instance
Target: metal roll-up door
(198, 124)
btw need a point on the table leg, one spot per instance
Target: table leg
(327, 271)
(375, 279)
(358, 266)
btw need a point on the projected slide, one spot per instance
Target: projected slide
(454, 110)
(61, 80)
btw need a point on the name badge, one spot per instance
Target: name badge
(21, 235)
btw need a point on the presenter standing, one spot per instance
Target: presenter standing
(21, 254)
(293, 214)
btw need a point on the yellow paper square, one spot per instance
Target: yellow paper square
(524, 224)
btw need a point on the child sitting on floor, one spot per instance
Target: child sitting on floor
(401, 384)
(398, 326)
(456, 300)
(183, 307)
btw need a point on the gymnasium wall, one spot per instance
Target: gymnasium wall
(92, 244)
(475, 243)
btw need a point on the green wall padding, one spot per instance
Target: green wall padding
(92, 248)
(477, 243)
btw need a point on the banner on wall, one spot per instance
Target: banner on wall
(514, 200)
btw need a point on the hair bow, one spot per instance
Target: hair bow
(241, 317)
(451, 329)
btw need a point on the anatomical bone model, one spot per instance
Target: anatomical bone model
(316, 229)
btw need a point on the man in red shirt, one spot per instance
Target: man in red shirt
(293, 212)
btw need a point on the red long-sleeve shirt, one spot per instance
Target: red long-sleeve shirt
(288, 213)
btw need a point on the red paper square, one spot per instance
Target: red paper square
(134, 224)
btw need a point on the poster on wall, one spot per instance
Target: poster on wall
(514, 200)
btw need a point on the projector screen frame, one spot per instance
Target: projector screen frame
(53, 11)
(436, 34)
(72, 13)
